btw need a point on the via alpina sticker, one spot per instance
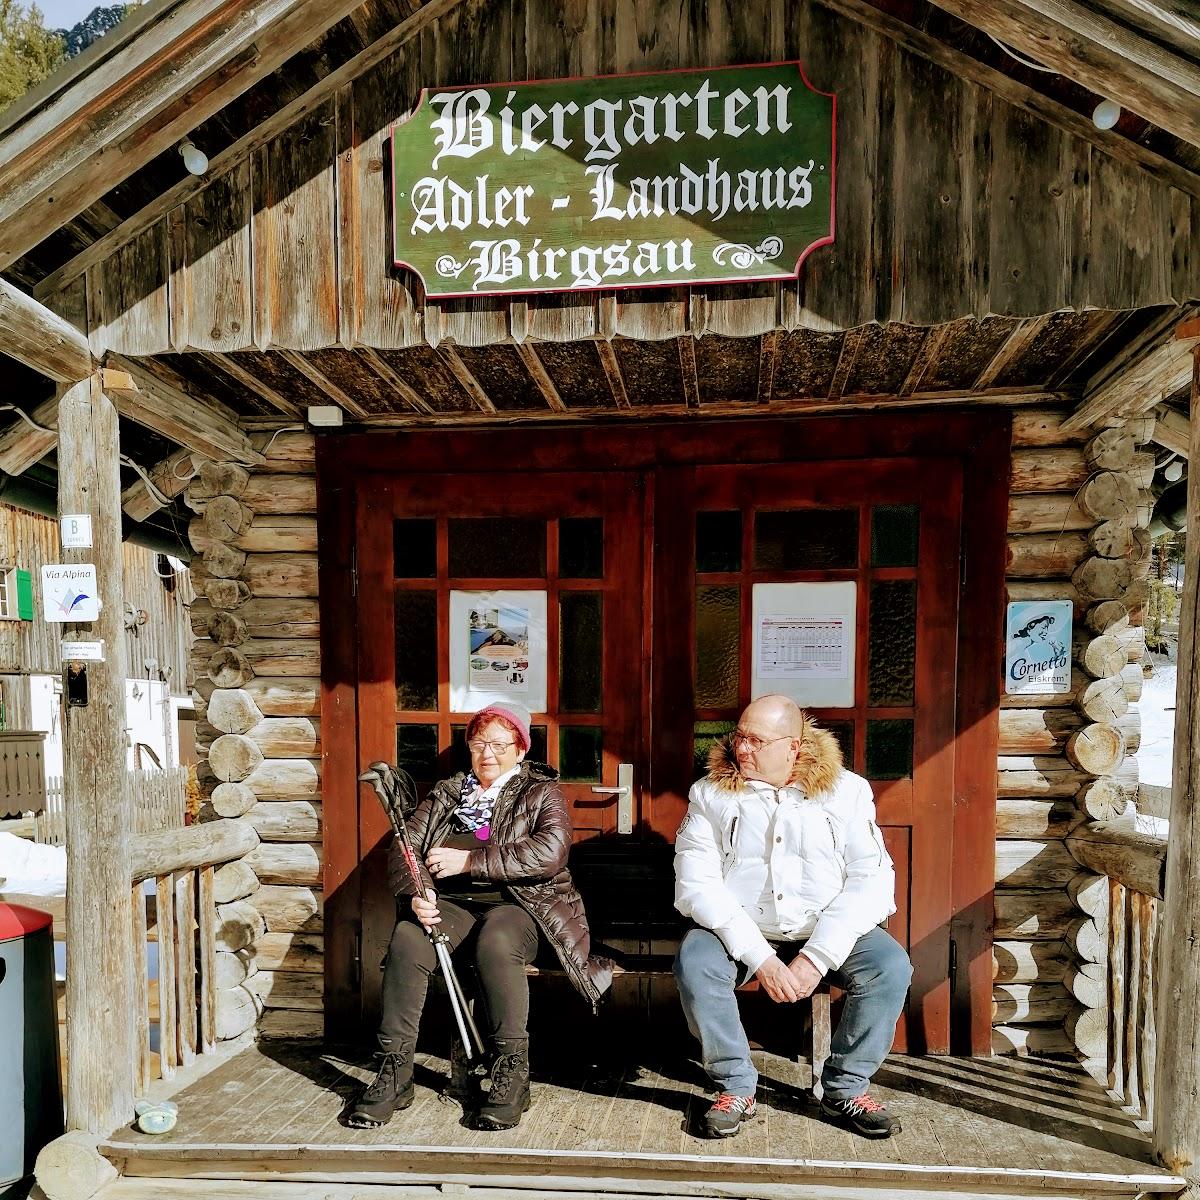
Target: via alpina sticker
(70, 592)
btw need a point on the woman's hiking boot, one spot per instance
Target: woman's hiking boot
(508, 1094)
(391, 1090)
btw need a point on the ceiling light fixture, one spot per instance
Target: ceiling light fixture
(195, 160)
(1106, 114)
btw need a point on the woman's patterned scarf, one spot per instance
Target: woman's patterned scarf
(474, 811)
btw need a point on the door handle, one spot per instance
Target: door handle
(624, 794)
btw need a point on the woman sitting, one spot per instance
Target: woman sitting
(495, 843)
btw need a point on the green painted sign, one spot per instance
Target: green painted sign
(621, 181)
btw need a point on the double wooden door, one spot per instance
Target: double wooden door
(626, 609)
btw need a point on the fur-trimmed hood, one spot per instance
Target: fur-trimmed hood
(817, 768)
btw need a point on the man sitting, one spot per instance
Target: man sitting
(780, 865)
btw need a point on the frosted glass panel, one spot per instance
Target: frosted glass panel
(718, 658)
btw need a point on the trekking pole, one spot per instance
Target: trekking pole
(387, 783)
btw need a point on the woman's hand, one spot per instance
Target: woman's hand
(426, 911)
(443, 862)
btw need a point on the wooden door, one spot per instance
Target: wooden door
(891, 530)
(425, 545)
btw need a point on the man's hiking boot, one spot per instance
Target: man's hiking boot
(727, 1114)
(391, 1090)
(862, 1114)
(508, 1094)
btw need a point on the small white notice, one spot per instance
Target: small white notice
(816, 647)
(82, 652)
(76, 531)
(69, 592)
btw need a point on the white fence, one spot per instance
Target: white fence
(158, 803)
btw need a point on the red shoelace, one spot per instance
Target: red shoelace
(727, 1101)
(867, 1104)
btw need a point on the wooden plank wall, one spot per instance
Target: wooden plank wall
(951, 202)
(29, 541)
(1076, 515)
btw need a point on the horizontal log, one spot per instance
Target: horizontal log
(288, 989)
(1133, 638)
(287, 453)
(291, 952)
(292, 697)
(1110, 450)
(1027, 962)
(1133, 679)
(1044, 555)
(1046, 589)
(287, 737)
(283, 656)
(292, 1024)
(1108, 495)
(1048, 1041)
(233, 757)
(1086, 938)
(1097, 749)
(1030, 915)
(223, 561)
(227, 667)
(280, 494)
(1053, 512)
(287, 821)
(285, 779)
(1102, 656)
(232, 710)
(1130, 726)
(237, 1012)
(233, 881)
(266, 534)
(218, 478)
(225, 519)
(1104, 700)
(1042, 427)
(1036, 730)
(232, 968)
(1033, 864)
(232, 799)
(282, 617)
(1030, 1003)
(1089, 893)
(1055, 700)
(1087, 1030)
(1098, 578)
(1047, 777)
(222, 593)
(1088, 983)
(1057, 469)
(290, 909)
(290, 863)
(1034, 818)
(274, 575)
(239, 925)
(1115, 539)
(1109, 616)
(1118, 850)
(155, 854)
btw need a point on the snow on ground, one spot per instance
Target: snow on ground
(32, 869)
(1157, 709)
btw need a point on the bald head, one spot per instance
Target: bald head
(768, 739)
(779, 712)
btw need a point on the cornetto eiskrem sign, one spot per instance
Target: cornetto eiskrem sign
(619, 181)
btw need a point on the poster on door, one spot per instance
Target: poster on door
(497, 649)
(816, 647)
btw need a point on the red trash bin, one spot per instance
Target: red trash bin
(31, 1111)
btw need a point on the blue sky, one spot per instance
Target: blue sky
(62, 14)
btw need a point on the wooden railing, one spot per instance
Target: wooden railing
(181, 916)
(1134, 863)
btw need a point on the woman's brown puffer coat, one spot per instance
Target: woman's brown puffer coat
(527, 852)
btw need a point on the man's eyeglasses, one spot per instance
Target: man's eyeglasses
(753, 742)
(496, 748)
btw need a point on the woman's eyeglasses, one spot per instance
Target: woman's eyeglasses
(753, 742)
(496, 748)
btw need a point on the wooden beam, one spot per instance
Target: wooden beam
(1145, 382)
(1105, 56)
(852, 341)
(1172, 430)
(139, 102)
(169, 478)
(260, 135)
(466, 380)
(540, 376)
(1177, 1079)
(21, 444)
(768, 356)
(377, 363)
(1040, 105)
(41, 339)
(1016, 344)
(612, 372)
(687, 370)
(160, 403)
(926, 355)
(228, 364)
(98, 805)
(317, 377)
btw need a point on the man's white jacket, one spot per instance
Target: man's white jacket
(820, 851)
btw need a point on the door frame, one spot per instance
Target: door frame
(980, 440)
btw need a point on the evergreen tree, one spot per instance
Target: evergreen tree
(28, 50)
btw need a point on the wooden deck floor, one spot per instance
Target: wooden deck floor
(276, 1107)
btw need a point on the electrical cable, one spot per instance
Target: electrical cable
(150, 487)
(1025, 62)
(27, 419)
(281, 429)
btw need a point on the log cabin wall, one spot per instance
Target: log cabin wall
(1077, 515)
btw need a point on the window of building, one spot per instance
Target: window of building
(16, 595)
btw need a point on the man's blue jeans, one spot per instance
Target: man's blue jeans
(875, 978)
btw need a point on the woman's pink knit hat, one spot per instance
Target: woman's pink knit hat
(514, 714)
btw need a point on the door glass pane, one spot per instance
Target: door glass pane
(581, 547)
(718, 658)
(892, 646)
(895, 532)
(501, 547)
(705, 735)
(719, 541)
(806, 539)
(581, 621)
(844, 732)
(417, 751)
(416, 650)
(889, 749)
(414, 548)
(579, 749)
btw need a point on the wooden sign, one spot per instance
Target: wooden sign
(619, 181)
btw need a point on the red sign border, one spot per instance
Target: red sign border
(513, 292)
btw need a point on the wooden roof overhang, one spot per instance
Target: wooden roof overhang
(993, 245)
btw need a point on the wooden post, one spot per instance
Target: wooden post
(100, 993)
(1177, 1116)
